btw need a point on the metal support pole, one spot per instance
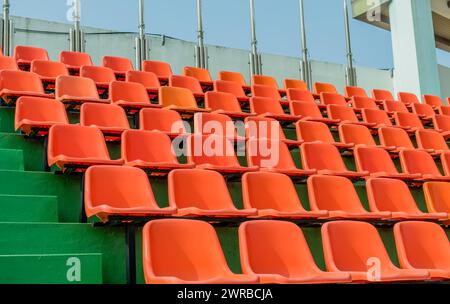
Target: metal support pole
(200, 50)
(76, 35)
(350, 70)
(141, 40)
(7, 30)
(255, 58)
(305, 64)
(130, 244)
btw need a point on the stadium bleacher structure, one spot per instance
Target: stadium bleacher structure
(345, 166)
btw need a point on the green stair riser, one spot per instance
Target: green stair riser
(11, 159)
(20, 208)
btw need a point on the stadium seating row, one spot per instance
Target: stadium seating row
(188, 251)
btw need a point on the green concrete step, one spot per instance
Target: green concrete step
(28, 208)
(11, 159)
(51, 269)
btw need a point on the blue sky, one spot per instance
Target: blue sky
(227, 23)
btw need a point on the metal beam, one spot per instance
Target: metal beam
(255, 58)
(141, 40)
(200, 50)
(304, 63)
(7, 30)
(350, 70)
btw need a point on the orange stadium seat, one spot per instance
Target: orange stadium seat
(102, 76)
(355, 92)
(179, 99)
(119, 191)
(441, 124)
(75, 60)
(326, 159)
(214, 152)
(278, 253)
(273, 156)
(379, 163)
(421, 163)
(423, 110)
(225, 103)
(202, 75)
(269, 107)
(35, 115)
(120, 65)
(380, 95)
(259, 90)
(148, 79)
(74, 90)
(345, 115)
(396, 138)
(392, 106)
(409, 121)
(359, 102)
(274, 196)
(378, 117)
(444, 110)
(202, 262)
(187, 82)
(24, 55)
(234, 77)
(346, 251)
(264, 80)
(332, 99)
(132, 96)
(295, 84)
(268, 128)
(162, 120)
(109, 118)
(14, 84)
(149, 150)
(320, 88)
(232, 87)
(338, 196)
(424, 246)
(8, 63)
(73, 146)
(394, 196)
(215, 123)
(354, 135)
(437, 198)
(309, 111)
(187, 193)
(408, 98)
(162, 69)
(48, 70)
(445, 160)
(434, 101)
(431, 140)
(312, 131)
(300, 95)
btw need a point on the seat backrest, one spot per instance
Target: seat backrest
(394, 106)
(119, 187)
(295, 84)
(233, 77)
(211, 149)
(432, 100)
(147, 79)
(385, 194)
(376, 116)
(360, 102)
(374, 160)
(299, 95)
(264, 80)
(214, 123)
(441, 122)
(395, 137)
(333, 193)
(259, 90)
(198, 73)
(266, 190)
(147, 146)
(417, 161)
(117, 64)
(77, 141)
(321, 156)
(286, 251)
(98, 74)
(103, 115)
(436, 196)
(186, 82)
(231, 87)
(310, 131)
(40, 109)
(29, 53)
(378, 94)
(163, 120)
(266, 153)
(431, 139)
(422, 245)
(445, 110)
(75, 86)
(222, 101)
(262, 105)
(195, 251)
(356, 134)
(20, 81)
(263, 127)
(204, 189)
(172, 96)
(160, 68)
(305, 109)
(355, 92)
(48, 68)
(75, 59)
(445, 161)
(343, 113)
(346, 250)
(332, 98)
(320, 88)
(408, 98)
(423, 109)
(8, 63)
(127, 91)
(408, 120)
